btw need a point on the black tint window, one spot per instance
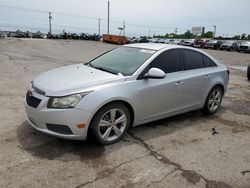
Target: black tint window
(192, 60)
(208, 62)
(168, 61)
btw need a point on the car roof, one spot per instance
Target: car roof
(152, 46)
(159, 46)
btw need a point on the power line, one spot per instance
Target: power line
(86, 17)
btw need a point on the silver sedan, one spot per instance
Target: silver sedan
(127, 86)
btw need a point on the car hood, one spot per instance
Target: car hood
(74, 79)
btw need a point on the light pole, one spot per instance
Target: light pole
(214, 26)
(99, 27)
(50, 18)
(108, 17)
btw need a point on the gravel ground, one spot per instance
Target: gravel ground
(175, 152)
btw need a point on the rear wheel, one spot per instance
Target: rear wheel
(213, 101)
(110, 123)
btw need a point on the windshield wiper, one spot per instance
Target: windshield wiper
(89, 63)
(103, 69)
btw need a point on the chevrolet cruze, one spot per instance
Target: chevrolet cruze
(127, 86)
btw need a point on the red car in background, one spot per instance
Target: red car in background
(200, 43)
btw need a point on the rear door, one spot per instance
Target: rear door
(196, 78)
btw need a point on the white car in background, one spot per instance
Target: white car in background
(128, 86)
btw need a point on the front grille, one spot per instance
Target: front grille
(61, 129)
(31, 100)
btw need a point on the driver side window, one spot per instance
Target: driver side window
(168, 61)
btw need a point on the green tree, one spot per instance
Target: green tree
(208, 34)
(236, 37)
(243, 36)
(248, 37)
(188, 34)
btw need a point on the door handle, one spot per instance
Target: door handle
(178, 83)
(206, 76)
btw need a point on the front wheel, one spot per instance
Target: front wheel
(213, 101)
(110, 123)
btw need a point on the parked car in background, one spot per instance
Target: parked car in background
(200, 43)
(171, 41)
(2, 34)
(151, 40)
(189, 42)
(177, 41)
(214, 44)
(143, 40)
(132, 40)
(114, 91)
(229, 45)
(161, 40)
(244, 46)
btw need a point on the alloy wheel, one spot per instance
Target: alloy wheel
(112, 124)
(214, 100)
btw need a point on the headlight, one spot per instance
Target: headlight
(67, 101)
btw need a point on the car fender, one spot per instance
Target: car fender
(97, 99)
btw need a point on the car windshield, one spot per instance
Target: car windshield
(125, 60)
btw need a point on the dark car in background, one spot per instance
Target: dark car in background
(214, 44)
(229, 45)
(244, 46)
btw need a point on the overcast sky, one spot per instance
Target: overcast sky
(159, 16)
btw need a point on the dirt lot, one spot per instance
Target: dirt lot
(175, 152)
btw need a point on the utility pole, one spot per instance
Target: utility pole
(214, 26)
(175, 31)
(50, 18)
(124, 28)
(99, 26)
(108, 17)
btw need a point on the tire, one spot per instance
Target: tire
(103, 125)
(213, 101)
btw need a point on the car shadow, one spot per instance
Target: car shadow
(48, 147)
(52, 148)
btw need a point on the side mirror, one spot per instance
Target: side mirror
(155, 73)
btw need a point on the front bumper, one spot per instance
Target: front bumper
(41, 117)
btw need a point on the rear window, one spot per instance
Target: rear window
(169, 61)
(192, 59)
(208, 62)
